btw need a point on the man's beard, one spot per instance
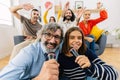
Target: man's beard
(48, 49)
(35, 19)
(68, 18)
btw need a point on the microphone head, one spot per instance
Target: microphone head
(51, 55)
(74, 52)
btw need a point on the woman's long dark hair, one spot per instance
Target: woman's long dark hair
(66, 47)
(53, 18)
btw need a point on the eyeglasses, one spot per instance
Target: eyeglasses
(50, 36)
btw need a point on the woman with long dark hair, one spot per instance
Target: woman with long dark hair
(77, 62)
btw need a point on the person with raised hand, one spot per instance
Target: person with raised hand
(30, 26)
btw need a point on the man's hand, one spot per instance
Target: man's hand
(67, 5)
(49, 71)
(27, 6)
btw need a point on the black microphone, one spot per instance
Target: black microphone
(51, 55)
(74, 52)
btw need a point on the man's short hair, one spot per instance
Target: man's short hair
(34, 10)
(50, 27)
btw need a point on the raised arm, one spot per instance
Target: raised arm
(66, 7)
(98, 8)
(46, 13)
(79, 14)
(59, 12)
(14, 9)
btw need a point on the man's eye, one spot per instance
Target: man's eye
(58, 37)
(48, 34)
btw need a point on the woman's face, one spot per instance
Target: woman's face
(86, 15)
(75, 39)
(52, 19)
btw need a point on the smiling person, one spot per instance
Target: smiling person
(52, 18)
(30, 25)
(32, 60)
(77, 62)
(87, 24)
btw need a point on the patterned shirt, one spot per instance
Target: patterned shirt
(98, 68)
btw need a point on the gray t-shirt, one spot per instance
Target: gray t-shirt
(29, 28)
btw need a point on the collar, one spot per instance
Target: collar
(66, 22)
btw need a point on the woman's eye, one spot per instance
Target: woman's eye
(71, 37)
(79, 37)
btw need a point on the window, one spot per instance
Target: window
(5, 15)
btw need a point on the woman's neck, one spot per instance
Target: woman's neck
(69, 54)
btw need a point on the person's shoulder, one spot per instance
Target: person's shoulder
(39, 24)
(90, 54)
(89, 51)
(23, 18)
(32, 47)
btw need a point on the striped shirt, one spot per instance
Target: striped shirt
(98, 68)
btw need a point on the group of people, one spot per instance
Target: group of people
(73, 59)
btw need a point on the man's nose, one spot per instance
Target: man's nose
(52, 40)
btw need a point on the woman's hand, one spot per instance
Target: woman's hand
(83, 61)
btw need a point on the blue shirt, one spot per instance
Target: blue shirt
(27, 64)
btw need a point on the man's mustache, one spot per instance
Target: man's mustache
(54, 44)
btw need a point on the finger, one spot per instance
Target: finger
(54, 71)
(54, 77)
(53, 66)
(79, 57)
(53, 61)
(81, 62)
(85, 65)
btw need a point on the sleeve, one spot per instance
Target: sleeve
(17, 68)
(22, 18)
(45, 17)
(59, 15)
(103, 16)
(101, 70)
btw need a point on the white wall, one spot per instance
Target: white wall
(112, 7)
(7, 32)
(6, 40)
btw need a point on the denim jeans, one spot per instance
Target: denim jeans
(91, 45)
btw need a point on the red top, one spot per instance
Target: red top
(92, 22)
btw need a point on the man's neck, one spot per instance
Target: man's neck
(33, 22)
(67, 21)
